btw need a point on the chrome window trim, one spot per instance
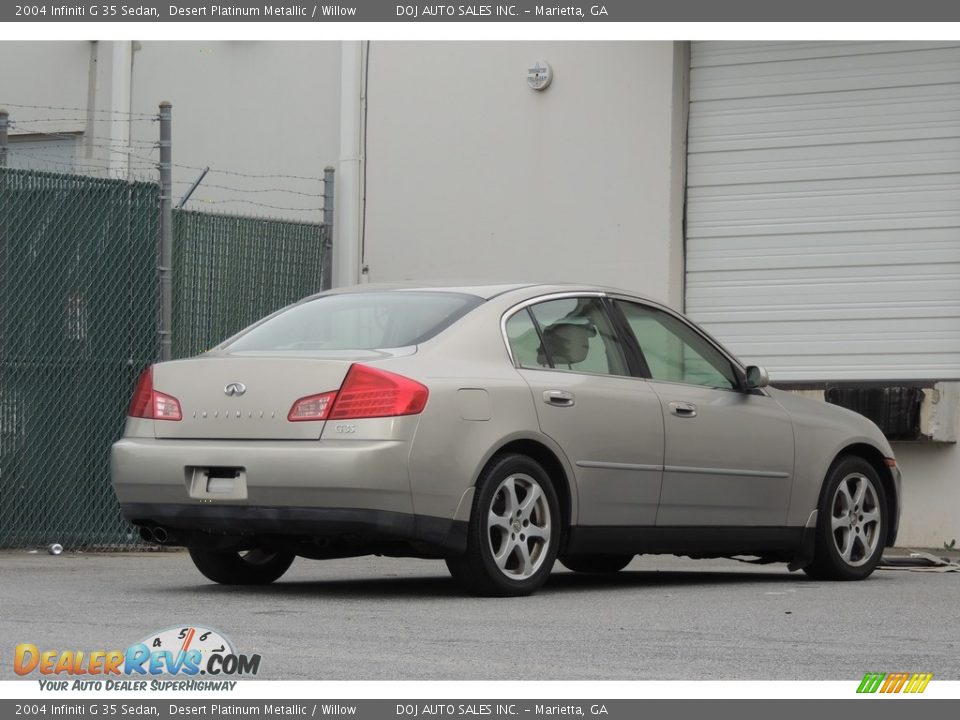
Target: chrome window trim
(712, 341)
(514, 309)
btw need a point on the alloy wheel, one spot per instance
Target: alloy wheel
(518, 526)
(855, 519)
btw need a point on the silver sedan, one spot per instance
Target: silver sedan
(499, 428)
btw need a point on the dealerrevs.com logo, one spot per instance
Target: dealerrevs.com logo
(188, 651)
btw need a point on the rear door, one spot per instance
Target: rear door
(608, 423)
(728, 455)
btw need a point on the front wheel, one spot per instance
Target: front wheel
(253, 567)
(851, 523)
(514, 530)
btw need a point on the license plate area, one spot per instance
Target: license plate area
(217, 483)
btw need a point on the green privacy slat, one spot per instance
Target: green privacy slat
(229, 271)
(78, 323)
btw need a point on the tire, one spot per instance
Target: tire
(255, 567)
(514, 530)
(851, 522)
(608, 564)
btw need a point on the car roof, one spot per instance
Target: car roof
(484, 290)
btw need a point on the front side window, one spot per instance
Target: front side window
(567, 334)
(674, 352)
(358, 321)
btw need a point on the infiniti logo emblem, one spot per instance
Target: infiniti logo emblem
(234, 389)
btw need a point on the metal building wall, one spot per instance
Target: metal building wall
(823, 206)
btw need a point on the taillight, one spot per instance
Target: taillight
(153, 404)
(312, 407)
(369, 393)
(366, 393)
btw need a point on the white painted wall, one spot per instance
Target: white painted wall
(245, 107)
(931, 493)
(55, 77)
(47, 73)
(473, 175)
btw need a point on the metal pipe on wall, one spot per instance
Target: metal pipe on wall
(346, 268)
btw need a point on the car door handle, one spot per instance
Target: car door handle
(683, 409)
(559, 398)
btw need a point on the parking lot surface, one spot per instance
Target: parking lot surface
(385, 619)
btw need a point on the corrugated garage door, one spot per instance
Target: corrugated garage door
(823, 206)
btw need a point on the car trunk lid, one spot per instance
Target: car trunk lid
(245, 398)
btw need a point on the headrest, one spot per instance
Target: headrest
(568, 342)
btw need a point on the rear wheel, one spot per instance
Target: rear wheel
(253, 567)
(596, 563)
(851, 523)
(514, 530)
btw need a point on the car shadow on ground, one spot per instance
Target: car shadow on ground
(443, 586)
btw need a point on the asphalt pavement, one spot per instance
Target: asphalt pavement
(662, 618)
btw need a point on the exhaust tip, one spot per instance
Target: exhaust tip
(146, 534)
(160, 535)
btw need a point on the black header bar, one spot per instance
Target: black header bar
(896, 11)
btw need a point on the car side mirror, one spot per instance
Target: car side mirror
(757, 377)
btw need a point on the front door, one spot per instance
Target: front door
(728, 453)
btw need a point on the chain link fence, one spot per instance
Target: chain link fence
(79, 314)
(230, 270)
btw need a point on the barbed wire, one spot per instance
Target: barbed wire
(154, 117)
(136, 174)
(250, 215)
(235, 173)
(74, 136)
(79, 135)
(57, 164)
(59, 159)
(203, 201)
(140, 168)
(205, 186)
(122, 150)
(64, 119)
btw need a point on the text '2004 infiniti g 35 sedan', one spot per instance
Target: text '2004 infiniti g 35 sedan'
(498, 428)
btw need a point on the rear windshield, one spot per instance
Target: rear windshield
(358, 321)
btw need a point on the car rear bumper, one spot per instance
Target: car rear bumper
(185, 524)
(364, 474)
(316, 488)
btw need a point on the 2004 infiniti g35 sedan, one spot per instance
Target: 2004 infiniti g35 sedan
(498, 428)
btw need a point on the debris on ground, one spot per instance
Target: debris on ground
(919, 561)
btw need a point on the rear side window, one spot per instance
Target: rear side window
(359, 321)
(568, 334)
(525, 341)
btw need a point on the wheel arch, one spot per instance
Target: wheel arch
(875, 457)
(552, 461)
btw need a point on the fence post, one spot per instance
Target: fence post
(4, 133)
(326, 271)
(166, 232)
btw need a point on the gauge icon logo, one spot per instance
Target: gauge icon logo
(191, 650)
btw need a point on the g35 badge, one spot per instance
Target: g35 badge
(345, 428)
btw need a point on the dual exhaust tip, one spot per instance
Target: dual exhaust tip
(155, 534)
